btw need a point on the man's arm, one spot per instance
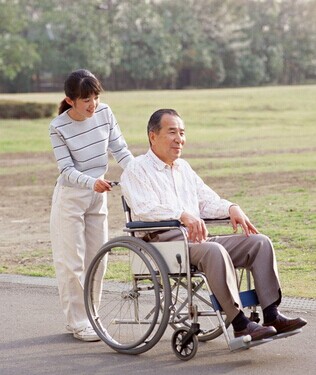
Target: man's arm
(212, 206)
(197, 231)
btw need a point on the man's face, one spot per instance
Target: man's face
(168, 143)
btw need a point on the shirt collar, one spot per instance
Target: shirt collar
(160, 165)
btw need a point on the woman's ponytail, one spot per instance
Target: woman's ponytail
(63, 106)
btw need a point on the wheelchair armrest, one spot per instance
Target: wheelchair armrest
(152, 224)
(170, 223)
(223, 221)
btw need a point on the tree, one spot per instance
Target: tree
(17, 52)
(282, 35)
(297, 29)
(148, 50)
(70, 35)
(157, 43)
(195, 51)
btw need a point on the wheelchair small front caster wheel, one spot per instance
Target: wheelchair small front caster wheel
(184, 344)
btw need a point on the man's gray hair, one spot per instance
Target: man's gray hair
(154, 123)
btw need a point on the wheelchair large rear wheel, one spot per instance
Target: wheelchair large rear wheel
(124, 287)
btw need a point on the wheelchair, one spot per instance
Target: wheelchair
(134, 289)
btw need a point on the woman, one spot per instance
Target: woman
(81, 136)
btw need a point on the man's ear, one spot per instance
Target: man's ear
(152, 137)
(69, 101)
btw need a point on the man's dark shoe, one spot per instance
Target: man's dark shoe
(283, 324)
(256, 331)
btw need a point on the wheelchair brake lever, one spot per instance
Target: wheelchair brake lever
(179, 260)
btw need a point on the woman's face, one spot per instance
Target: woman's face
(83, 108)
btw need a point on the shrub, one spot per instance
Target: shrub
(19, 110)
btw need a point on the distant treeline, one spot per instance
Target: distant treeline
(157, 44)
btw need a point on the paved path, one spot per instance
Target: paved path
(33, 342)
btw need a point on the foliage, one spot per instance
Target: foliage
(157, 43)
(23, 110)
(17, 53)
(149, 50)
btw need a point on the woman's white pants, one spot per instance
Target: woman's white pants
(78, 228)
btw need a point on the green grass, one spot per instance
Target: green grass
(31, 263)
(229, 119)
(254, 146)
(24, 136)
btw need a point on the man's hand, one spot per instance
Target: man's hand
(197, 231)
(237, 216)
(100, 186)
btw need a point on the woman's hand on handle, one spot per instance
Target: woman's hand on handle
(101, 186)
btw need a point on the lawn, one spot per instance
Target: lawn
(254, 146)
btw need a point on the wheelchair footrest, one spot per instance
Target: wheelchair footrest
(286, 334)
(245, 342)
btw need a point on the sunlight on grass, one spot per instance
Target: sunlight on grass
(24, 135)
(254, 146)
(260, 164)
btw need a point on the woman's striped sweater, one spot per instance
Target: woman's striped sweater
(81, 147)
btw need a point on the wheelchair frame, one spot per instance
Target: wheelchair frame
(131, 312)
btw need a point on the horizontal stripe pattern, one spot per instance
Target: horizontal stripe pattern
(81, 147)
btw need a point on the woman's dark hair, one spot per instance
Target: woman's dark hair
(154, 123)
(80, 84)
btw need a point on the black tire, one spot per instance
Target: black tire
(184, 348)
(123, 303)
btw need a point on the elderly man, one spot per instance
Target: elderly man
(161, 186)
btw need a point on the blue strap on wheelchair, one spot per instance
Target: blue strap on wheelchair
(248, 298)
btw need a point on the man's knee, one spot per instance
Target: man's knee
(261, 241)
(261, 249)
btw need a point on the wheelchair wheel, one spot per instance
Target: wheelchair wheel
(127, 295)
(210, 327)
(183, 344)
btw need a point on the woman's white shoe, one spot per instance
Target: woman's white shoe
(86, 334)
